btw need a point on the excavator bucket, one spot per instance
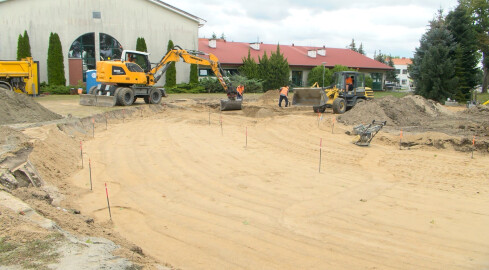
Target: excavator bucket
(309, 97)
(97, 100)
(231, 104)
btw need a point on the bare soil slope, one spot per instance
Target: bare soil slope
(19, 108)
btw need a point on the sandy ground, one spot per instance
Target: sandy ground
(193, 195)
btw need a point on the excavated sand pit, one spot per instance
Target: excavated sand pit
(198, 197)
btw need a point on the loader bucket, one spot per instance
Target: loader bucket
(231, 104)
(97, 100)
(309, 97)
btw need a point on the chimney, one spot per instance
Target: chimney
(311, 53)
(322, 51)
(212, 43)
(255, 46)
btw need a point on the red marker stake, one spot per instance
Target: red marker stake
(320, 152)
(81, 152)
(108, 203)
(473, 146)
(90, 171)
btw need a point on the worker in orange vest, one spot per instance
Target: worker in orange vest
(240, 90)
(349, 83)
(284, 92)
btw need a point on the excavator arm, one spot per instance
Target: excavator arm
(191, 58)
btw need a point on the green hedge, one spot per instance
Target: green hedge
(186, 88)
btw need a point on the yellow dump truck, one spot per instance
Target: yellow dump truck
(20, 76)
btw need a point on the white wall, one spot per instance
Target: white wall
(125, 20)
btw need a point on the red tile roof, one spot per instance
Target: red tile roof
(402, 61)
(232, 53)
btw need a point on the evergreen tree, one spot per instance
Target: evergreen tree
(352, 45)
(20, 47)
(223, 36)
(380, 57)
(280, 70)
(466, 56)
(171, 72)
(249, 68)
(391, 74)
(214, 36)
(360, 49)
(479, 9)
(264, 70)
(433, 66)
(194, 76)
(56, 68)
(141, 45)
(27, 45)
(23, 46)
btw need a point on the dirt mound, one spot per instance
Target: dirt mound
(11, 140)
(19, 108)
(406, 111)
(269, 97)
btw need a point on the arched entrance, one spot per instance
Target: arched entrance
(82, 54)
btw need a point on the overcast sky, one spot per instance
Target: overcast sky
(394, 27)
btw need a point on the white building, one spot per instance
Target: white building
(92, 30)
(402, 73)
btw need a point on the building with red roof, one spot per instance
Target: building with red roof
(301, 59)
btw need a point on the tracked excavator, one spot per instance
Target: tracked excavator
(131, 77)
(347, 91)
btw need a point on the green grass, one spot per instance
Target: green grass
(381, 94)
(35, 254)
(482, 97)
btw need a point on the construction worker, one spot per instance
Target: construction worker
(284, 92)
(240, 90)
(349, 83)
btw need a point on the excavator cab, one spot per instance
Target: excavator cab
(139, 58)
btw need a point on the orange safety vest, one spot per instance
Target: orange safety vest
(284, 91)
(349, 80)
(240, 89)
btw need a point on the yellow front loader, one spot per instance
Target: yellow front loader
(340, 96)
(123, 81)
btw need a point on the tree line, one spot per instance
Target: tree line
(445, 65)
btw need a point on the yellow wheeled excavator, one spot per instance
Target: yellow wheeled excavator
(123, 81)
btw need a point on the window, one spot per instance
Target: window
(96, 14)
(404, 82)
(404, 71)
(110, 48)
(398, 71)
(204, 72)
(297, 78)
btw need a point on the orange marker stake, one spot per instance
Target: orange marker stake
(108, 203)
(473, 146)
